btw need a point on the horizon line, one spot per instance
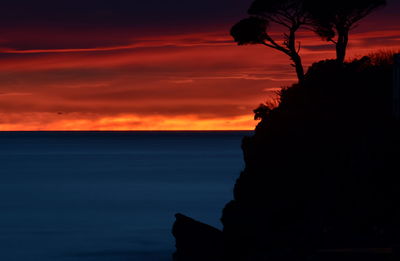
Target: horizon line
(2, 131)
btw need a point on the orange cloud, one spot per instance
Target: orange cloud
(78, 122)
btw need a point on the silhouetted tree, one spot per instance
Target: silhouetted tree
(334, 19)
(288, 14)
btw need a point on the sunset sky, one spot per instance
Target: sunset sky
(148, 65)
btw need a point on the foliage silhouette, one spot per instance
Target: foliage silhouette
(334, 19)
(288, 14)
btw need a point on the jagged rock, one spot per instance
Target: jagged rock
(196, 241)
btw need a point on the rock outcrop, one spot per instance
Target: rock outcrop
(196, 241)
(321, 175)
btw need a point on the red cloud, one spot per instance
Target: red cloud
(182, 81)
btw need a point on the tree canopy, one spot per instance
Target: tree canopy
(288, 14)
(332, 20)
(250, 31)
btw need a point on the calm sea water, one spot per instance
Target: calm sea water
(109, 195)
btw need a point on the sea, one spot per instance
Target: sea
(110, 196)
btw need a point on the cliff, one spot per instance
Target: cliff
(320, 177)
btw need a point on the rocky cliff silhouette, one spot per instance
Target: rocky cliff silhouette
(320, 180)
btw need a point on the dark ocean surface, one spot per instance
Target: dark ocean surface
(109, 195)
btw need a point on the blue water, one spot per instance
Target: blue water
(109, 195)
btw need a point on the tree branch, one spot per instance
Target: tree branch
(279, 21)
(333, 41)
(271, 46)
(275, 45)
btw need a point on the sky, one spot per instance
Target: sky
(148, 65)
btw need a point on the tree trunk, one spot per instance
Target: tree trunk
(341, 45)
(294, 53)
(299, 66)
